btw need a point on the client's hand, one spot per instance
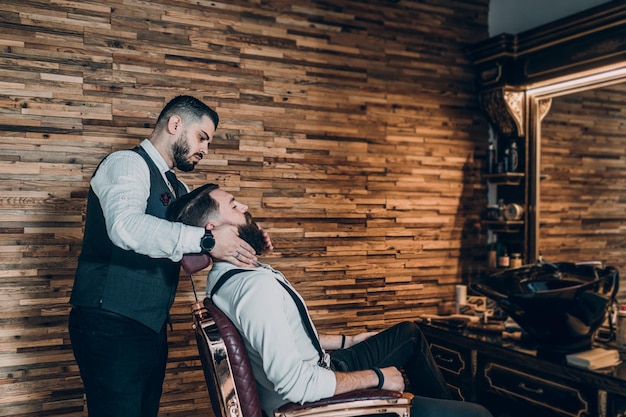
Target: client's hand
(394, 380)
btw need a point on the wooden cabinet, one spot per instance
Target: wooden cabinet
(514, 380)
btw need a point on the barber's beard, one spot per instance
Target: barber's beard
(180, 151)
(251, 233)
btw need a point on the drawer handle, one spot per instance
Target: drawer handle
(523, 386)
(443, 359)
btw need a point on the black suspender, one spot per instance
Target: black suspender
(306, 321)
(223, 280)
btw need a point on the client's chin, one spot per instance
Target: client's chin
(252, 234)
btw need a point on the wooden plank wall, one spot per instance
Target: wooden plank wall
(351, 128)
(584, 159)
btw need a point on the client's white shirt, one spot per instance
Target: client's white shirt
(283, 358)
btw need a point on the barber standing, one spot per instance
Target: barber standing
(130, 262)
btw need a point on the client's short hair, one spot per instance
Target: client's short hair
(195, 208)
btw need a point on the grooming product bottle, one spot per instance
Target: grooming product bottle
(504, 261)
(492, 256)
(491, 159)
(516, 260)
(513, 157)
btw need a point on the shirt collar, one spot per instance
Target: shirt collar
(155, 156)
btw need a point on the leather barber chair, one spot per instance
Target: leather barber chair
(231, 384)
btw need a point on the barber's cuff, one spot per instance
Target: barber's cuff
(190, 239)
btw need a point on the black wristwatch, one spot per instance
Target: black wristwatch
(207, 242)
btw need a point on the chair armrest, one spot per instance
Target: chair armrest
(195, 262)
(354, 403)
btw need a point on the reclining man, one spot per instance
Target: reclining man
(284, 357)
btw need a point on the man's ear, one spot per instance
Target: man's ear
(174, 124)
(210, 226)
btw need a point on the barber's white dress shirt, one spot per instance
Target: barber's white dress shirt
(122, 183)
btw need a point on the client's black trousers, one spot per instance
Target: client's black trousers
(403, 346)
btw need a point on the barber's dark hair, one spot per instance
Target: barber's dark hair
(189, 108)
(195, 208)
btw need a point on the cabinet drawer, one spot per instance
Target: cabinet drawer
(456, 368)
(562, 399)
(616, 406)
(449, 359)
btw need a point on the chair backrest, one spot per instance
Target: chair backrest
(225, 362)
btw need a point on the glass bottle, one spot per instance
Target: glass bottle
(504, 261)
(513, 157)
(491, 159)
(516, 260)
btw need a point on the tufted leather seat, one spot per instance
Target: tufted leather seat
(232, 387)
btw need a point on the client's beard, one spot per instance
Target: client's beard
(251, 233)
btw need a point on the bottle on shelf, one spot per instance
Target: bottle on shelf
(501, 209)
(507, 160)
(513, 156)
(491, 159)
(492, 256)
(504, 261)
(516, 260)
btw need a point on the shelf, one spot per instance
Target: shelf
(505, 178)
(506, 226)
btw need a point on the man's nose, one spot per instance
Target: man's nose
(204, 147)
(243, 208)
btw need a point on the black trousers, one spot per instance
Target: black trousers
(122, 363)
(405, 347)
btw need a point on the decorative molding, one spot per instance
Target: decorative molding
(544, 108)
(505, 108)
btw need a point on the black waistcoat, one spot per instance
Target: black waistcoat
(123, 281)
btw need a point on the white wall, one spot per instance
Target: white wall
(515, 16)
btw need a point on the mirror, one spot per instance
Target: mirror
(580, 141)
(560, 90)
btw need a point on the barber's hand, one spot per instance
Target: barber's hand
(231, 248)
(268, 243)
(394, 380)
(358, 338)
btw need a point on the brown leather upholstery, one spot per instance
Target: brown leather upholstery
(239, 361)
(195, 262)
(220, 342)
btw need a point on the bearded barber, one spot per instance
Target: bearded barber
(130, 262)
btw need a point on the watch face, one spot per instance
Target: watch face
(207, 242)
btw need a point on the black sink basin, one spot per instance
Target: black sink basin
(560, 305)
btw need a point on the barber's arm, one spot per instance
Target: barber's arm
(122, 184)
